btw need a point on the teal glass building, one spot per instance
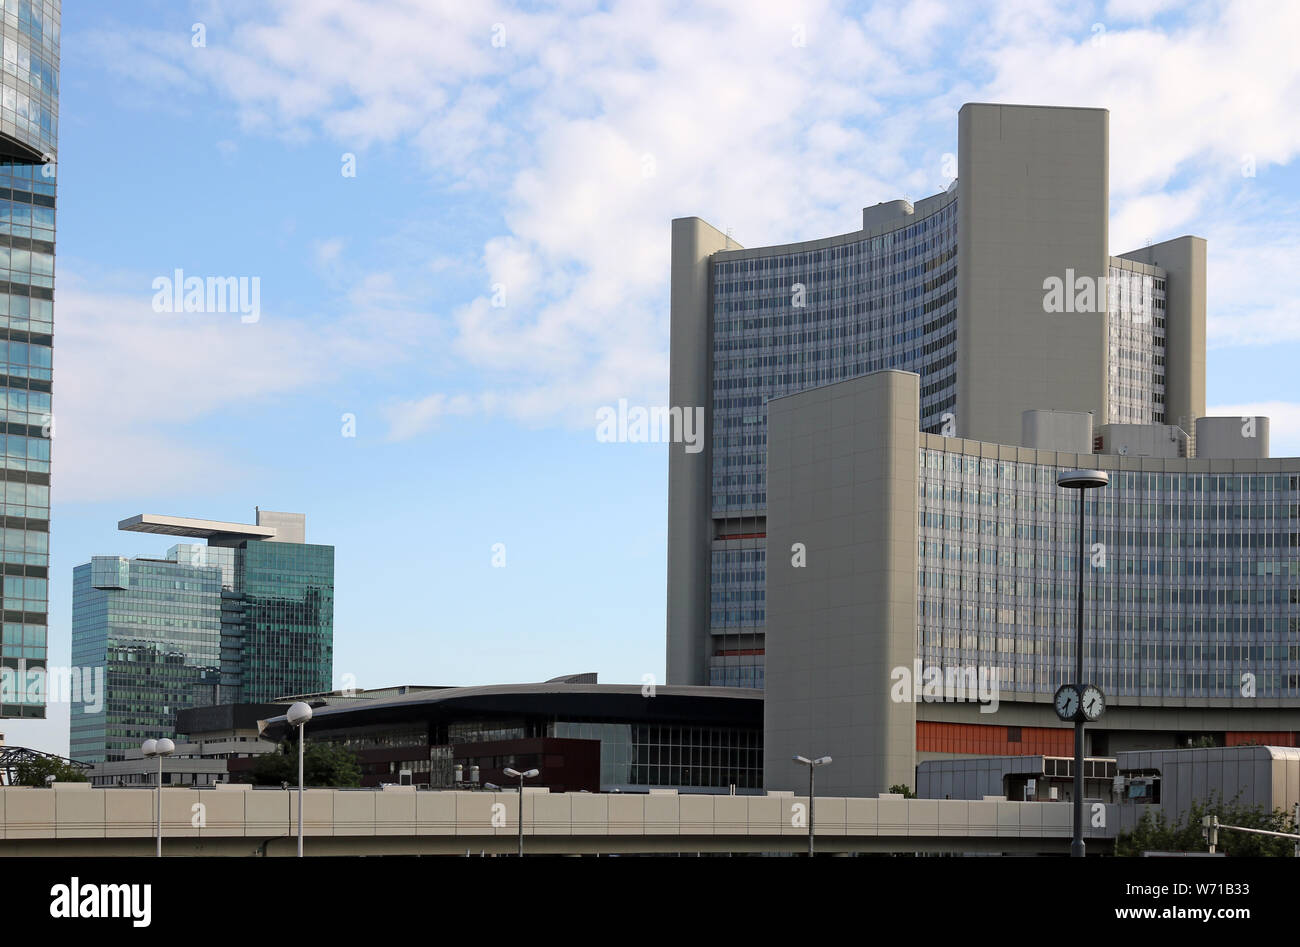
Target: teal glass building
(247, 617)
(287, 593)
(29, 48)
(154, 628)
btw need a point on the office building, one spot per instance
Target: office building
(932, 610)
(890, 409)
(150, 629)
(1000, 293)
(29, 125)
(245, 618)
(580, 735)
(214, 745)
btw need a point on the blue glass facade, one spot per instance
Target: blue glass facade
(879, 302)
(206, 625)
(29, 49)
(1195, 585)
(154, 628)
(792, 318)
(29, 106)
(287, 594)
(884, 301)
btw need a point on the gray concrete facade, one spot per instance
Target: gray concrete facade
(1232, 438)
(1143, 440)
(1033, 203)
(1057, 430)
(289, 527)
(842, 492)
(850, 508)
(689, 385)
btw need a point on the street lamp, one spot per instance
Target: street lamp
(812, 766)
(298, 715)
(159, 749)
(526, 774)
(1080, 480)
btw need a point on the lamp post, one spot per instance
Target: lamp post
(298, 715)
(526, 774)
(159, 749)
(812, 767)
(1080, 480)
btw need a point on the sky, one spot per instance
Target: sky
(458, 215)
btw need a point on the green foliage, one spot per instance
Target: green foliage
(1155, 833)
(323, 764)
(904, 790)
(33, 772)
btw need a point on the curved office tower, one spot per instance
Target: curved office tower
(29, 124)
(935, 614)
(954, 288)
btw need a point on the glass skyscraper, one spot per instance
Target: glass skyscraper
(246, 617)
(287, 594)
(154, 627)
(29, 35)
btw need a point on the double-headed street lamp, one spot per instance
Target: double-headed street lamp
(526, 774)
(159, 749)
(812, 766)
(298, 715)
(1079, 701)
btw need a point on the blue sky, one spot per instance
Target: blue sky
(542, 150)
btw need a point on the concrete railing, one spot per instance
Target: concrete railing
(78, 812)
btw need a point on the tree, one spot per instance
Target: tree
(33, 772)
(323, 764)
(904, 790)
(1160, 834)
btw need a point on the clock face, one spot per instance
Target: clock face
(1094, 702)
(1067, 702)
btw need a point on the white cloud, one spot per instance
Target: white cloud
(164, 370)
(409, 418)
(1139, 10)
(1153, 217)
(1191, 99)
(590, 128)
(327, 251)
(1254, 274)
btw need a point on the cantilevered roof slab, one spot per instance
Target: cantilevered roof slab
(194, 528)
